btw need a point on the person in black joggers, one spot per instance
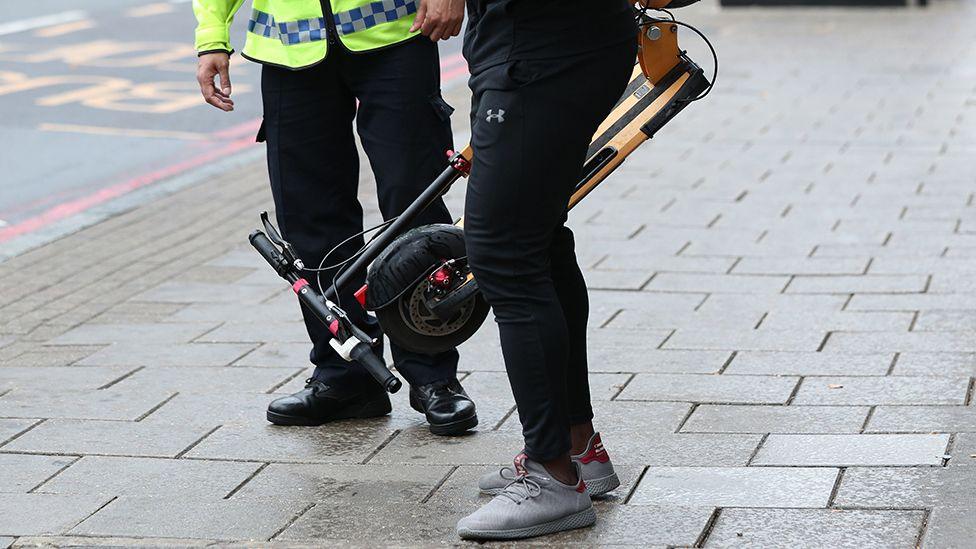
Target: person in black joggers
(534, 111)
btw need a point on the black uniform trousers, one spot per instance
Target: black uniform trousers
(532, 122)
(404, 126)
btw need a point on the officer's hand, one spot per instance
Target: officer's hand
(439, 19)
(209, 66)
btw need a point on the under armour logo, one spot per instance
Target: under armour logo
(496, 116)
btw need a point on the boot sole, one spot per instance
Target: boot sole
(596, 487)
(373, 408)
(580, 519)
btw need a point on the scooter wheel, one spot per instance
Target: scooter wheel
(410, 324)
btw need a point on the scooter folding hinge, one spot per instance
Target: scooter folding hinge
(344, 349)
(459, 162)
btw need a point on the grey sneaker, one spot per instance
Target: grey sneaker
(594, 462)
(531, 504)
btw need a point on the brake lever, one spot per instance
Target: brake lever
(287, 249)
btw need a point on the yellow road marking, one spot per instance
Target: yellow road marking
(126, 132)
(151, 9)
(65, 28)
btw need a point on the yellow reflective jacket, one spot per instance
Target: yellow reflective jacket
(297, 34)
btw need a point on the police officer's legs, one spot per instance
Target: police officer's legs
(314, 171)
(405, 129)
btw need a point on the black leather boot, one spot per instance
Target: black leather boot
(318, 403)
(448, 409)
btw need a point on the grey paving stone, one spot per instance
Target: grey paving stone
(419, 447)
(922, 419)
(963, 451)
(663, 361)
(35, 514)
(675, 450)
(712, 283)
(344, 484)
(746, 340)
(204, 379)
(882, 390)
(905, 487)
(809, 364)
(708, 418)
(22, 472)
(128, 476)
(941, 321)
(174, 516)
(852, 450)
(344, 442)
(202, 292)
(875, 342)
(70, 436)
(44, 377)
(212, 409)
(359, 523)
(257, 332)
(620, 417)
(950, 527)
(801, 266)
(6, 542)
(272, 311)
(936, 364)
(643, 526)
(735, 486)
(864, 284)
(161, 332)
(11, 427)
(815, 528)
(277, 354)
(664, 263)
(84, 404)
(911, 302)
(167, 354)
(112, 541)
(710, 388)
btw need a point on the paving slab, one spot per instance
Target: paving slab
(963, 451)
(663, 361)
(212, 409)
(202, 292)
(810, 364)
(342, 442)
(36, 514)
(151, 477)
(110, 403)
(344, 484)
(905, 487)
(936, 364)
(880, 342)
(882, 390)
(642, 526)
(862, 284)
(257, 332)
(746, 340)
(922, 419)
(22, 472)
(167, 354)
(712, 418)
(735, 486)
(815, 528)
(374, 525)
(950, 527)
(73, 436)
(76, 377)
(852, 450)
(171, 332)
(205, 379)
(710, 388)
(175, 516)
(277, 355)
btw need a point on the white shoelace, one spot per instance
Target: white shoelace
(521, 488)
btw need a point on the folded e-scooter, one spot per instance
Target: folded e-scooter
(418, 281)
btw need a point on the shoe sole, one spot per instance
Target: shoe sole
(458, 427)
(581, 519)
(372, 408)
(596, 487)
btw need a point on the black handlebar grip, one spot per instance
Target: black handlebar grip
(265, 247)
(364, 355)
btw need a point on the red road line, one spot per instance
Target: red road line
(57, 213)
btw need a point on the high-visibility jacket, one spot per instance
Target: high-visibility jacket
(297, 34)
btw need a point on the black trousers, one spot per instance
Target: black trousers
(532, 122)
(404, 126)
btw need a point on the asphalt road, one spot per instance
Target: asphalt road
(98, 99)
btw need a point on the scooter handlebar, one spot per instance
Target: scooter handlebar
(268, 251)
(364, 355)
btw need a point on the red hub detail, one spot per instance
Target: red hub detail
(441, 277)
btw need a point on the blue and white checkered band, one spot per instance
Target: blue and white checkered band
(289, 32)
(372, 14)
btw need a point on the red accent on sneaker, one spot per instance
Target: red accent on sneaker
(596, 452)
(520, 464)
(581, 487)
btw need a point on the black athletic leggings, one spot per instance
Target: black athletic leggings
(532, 122)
